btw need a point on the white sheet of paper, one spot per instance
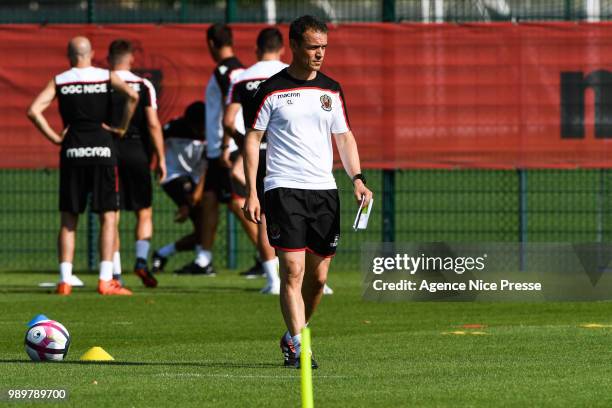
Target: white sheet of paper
(363, 215)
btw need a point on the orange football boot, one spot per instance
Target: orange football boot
(63, 289)
(112, 287)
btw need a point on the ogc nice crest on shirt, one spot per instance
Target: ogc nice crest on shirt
(326, 102)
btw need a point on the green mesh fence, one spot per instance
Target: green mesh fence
(429, 205)
(496, 10)
(205, 11)
(30, 222)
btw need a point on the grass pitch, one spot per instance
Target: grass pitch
(212, 342)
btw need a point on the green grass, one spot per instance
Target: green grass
(212, 342)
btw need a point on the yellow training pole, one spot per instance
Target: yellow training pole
(306, 370)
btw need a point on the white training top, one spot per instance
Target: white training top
(184, 157)
(184, 151)
(216, 94)
(299, 118)
(242, 90)
(134, 82)
(246, 84)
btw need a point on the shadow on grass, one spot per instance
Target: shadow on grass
(204, 364)
(33, 272)
(21, 289)
(182, 289)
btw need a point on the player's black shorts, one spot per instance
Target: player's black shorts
(303, 220)
(135, 185)
(180, 189)
(76, 182)
(219, 180)
(261, 174)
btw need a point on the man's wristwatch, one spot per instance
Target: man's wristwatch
(359, 176)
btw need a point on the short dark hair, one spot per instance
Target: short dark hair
(302, 24)
(270, 40)
(118, 49)
(220, 35)
(195, 112)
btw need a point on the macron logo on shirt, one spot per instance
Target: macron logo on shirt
(288, 95)
(79, 152)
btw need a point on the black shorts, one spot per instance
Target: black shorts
(220, 181)
(135, 185)
(303, 220)
(180, 189)
(76, 182)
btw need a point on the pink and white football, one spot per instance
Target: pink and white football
(47, 340)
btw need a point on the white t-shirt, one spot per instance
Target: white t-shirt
(247, 83)
(299, 118)
(184, 151)
(216, 94)
(242, 90)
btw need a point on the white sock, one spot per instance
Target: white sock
(297, 344)
(204, 257)
(271, 269)
(65, 271)
(106, 270)
(167, 250)
(116, 263)
(288, 337)
(142, 248)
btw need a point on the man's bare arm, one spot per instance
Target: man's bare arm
(347, 148)
(35, 113)
(252, 141)
(155, 130)
(198, 191)
(130, 105)
(229, 120)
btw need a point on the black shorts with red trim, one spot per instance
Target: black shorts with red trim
(303, 220)
(220, 181)
(77, 182)
(135, 184)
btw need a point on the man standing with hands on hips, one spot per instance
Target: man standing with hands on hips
(299, 109)
(88, 162)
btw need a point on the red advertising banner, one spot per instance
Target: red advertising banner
(418, 96)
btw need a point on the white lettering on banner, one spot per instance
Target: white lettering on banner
(78, 152)
(83, 89)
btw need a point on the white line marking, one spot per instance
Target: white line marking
(241, 375)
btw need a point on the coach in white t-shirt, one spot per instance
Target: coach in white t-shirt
(299, 109)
